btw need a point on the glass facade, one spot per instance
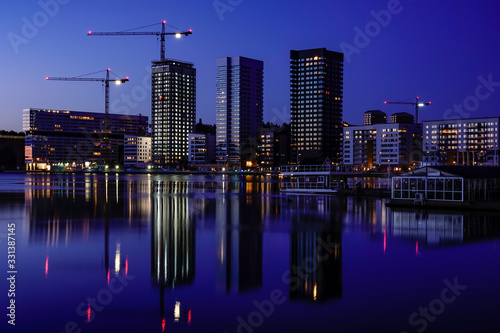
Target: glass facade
(239, 108)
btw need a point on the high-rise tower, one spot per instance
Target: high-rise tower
(239, 108)
(316, 87)
(173, 110)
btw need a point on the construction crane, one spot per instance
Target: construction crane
(161, 33)
(417, 104)
(106, 81)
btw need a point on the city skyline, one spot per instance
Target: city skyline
(394, 51)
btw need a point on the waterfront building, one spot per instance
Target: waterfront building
(137, 149)
(447, 184)
(274, 147)
(11, 151)
(402, 118)
(472, 141)
(381, 145)
(75, 139)
(316, 90)
(173, 110)
(239, 108)
(372, 117)
(201, 148)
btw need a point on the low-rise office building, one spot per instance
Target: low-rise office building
(75, 139)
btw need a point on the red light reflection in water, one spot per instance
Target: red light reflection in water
(416, 249)
(163, 324)
(126, 266)
(46, 265)
(189, 317)
(107, 276)
(89, 313)
(385, 239)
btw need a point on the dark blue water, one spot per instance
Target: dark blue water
(153, 253)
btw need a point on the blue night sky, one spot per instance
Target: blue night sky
(434, 49)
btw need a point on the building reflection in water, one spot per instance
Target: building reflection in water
(172, 247)
(63, 208)
(173, 241)
(440, 228)
(239, 243)
(316, 249)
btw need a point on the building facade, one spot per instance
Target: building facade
(402, 118)
(173, 110)
(201, 148)
(381, 145)
(372, 117)
(274, 147)
(471, 141)
(76, 139)
(137, 149)
(316, 92)
(239, 108)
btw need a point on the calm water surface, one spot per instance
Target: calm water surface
(170, 253)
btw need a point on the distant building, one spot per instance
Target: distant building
(472, 141)
(11, 152)
(381, 144)
(274, 147)
(239, 109)
(76, 139)
(137, 149)
(402, 118)
(316, 83)
(372, 117)
(173, 110)
(201, 148)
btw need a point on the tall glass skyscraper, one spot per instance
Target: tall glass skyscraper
(239, 109)
(316, 88)
(173, 110)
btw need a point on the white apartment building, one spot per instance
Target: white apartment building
(137, 149)
(472, 141)
(369, 146)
